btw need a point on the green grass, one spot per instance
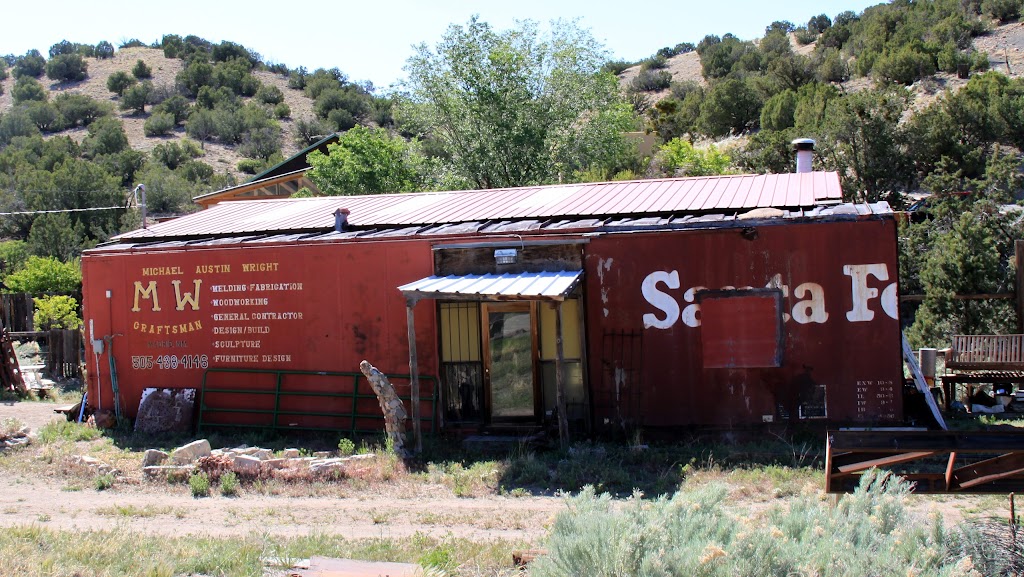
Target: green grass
(68, 431)
(35, 551)
(134, 512)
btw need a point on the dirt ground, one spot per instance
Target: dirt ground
(156, 507)
(44, 496)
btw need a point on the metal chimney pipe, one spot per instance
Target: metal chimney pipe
(141, 203)
(804, 148)
(341, 219)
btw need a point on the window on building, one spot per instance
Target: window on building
(461, 364)
(572, 357)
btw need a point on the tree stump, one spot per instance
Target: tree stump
(390, 404)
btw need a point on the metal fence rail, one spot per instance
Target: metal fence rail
(935, 461)
(279, 392)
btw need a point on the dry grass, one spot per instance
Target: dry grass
(35, 551)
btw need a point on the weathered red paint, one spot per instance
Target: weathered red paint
(741, 329)
(313, 307)
(857, 362)
(351, 310)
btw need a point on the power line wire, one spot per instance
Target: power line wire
(63, 210)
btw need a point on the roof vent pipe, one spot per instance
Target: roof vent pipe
(341, 220)
(804, 148)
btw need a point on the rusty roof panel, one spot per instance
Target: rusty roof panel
(660, 196)
(586, 225)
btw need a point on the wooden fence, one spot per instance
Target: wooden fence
(65, 353)
(17, 310)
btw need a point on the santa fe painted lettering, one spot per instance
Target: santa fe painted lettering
(657, 289)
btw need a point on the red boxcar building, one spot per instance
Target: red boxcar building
(723, 301)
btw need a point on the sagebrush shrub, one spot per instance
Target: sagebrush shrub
(229, 484)
(651, 80)
(870, 532)
(159, 124)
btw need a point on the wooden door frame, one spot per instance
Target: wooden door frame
(485, 333)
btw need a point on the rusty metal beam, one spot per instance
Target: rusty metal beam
(884, 461)
(949, 470)
(895, 442)
(987, 471)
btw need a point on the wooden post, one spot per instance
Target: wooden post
(414, 375)
(1018, 250)
(563, 419)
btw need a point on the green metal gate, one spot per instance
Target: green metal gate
(280, 392)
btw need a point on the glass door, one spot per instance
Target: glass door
(510, 355)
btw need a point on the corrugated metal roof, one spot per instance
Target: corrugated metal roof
(671, 196)
(526, 285)
(758, 217)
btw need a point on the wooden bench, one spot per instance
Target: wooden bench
(983, 359)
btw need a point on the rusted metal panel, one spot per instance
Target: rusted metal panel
(666, 196)
(741, 328)
(841, 352)
(322, 307)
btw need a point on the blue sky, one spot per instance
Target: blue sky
(372, 40)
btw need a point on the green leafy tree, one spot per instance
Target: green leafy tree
(13, 255)
(42, 275)
(120, 81)
(67, 68)
(56, 236)
(367, 161)
(869, 144)
(679, 157)
(56, 312)
(499, 102)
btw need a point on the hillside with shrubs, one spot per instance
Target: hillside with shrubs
(184, 115)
